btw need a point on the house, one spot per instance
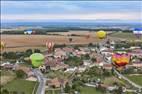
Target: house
(71, 69)
(56, 82)
(59, 53)
(86, 62)
(55, 64)
(27, 70)
(81, 69)
(107, 66)
(7, 65)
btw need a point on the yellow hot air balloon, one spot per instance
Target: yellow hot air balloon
(2, 45)
(101, 34)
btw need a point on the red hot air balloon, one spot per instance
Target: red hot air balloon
(50, 46)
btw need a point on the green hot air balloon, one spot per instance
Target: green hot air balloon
(37, 59)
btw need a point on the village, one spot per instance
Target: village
(71, 69)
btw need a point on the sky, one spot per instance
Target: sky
(71, 10)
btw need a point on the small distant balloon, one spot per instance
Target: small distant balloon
(50, 46)
(28, 32)
(101, 34)
(2, 45)
(137, 32)
(37, 59)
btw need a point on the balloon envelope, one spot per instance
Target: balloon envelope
(101, 34)
(50, 46)
(137, 32)
(120, 59)
(2, 45)
(37, 59)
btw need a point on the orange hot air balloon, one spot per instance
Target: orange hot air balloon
(50, 46)
(120, 59)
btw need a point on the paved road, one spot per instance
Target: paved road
(41, 80)
(125, 78)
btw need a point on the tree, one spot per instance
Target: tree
(28, 52)
(70, 39)
(36, 51)
(20, 74)
(93, 59)
(67, 88)
(5, 91)
(90, 44)
(5, 54)
(14, 92)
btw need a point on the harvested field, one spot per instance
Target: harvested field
(23, 42)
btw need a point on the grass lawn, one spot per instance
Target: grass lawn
(6, 76)
(20, 86)
(53, 92)
(135, 78)
(89, 90)
(113, 79)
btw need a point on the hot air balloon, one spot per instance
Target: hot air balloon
(120, 59)
(37, 59)
(2, 45)
(137, 32)
(101, 34)
(50, 46)
(29, 32)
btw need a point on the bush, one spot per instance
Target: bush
(5, 91)
(28, 52)
(20, 74)
(36, 51)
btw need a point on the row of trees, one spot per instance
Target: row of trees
(6, 91)
(18, 55)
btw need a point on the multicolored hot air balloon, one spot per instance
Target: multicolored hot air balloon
(2, 45)
(120, 59)
(101, 34)
(137, 32)
(50, 46)
(37, 59)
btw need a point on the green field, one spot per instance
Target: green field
(130, 36)
(89, 90)
(19, 85)
(136, 79)
(111, 80)
(53, 92)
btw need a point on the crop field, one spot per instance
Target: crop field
(136, 79)
(129, 36)
(20, 86)
(23, 42)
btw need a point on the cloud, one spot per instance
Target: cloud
(81, 10)
(97, 16)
